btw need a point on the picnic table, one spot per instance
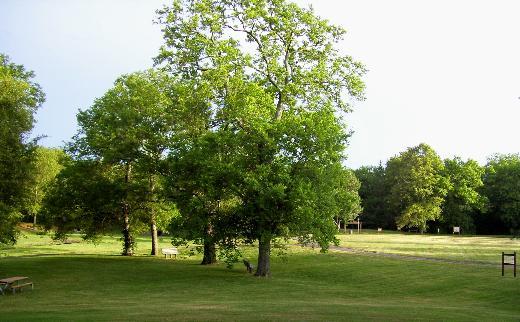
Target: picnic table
(15, 283)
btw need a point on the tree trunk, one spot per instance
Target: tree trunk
(34, 215)
(338, 222)
(264, 256)
(153, 223)
(128, 243)
(210, 252)
(155, 242)
(279, 107)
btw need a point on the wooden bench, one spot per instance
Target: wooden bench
(250, 267)
(170, 251)
(21, 286)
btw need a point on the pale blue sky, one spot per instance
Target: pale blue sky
(442, 72)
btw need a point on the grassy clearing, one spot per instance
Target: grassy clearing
(454, 247)
(31, 244)
(72, 282)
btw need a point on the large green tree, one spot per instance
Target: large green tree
(277, 81)
(417, 186)
(463, 199)
(20, 97)
(131, 126)
(502, 189)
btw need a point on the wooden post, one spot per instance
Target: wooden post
(502, 263)
(514, 263)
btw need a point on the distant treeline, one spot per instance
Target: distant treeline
(416, 190)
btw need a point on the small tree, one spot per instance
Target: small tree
(20, 97)
(342, 192)
(417, 187)
(45, 167)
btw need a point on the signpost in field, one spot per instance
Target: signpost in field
(509, 259)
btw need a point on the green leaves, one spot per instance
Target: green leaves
(287, 50)
(464, 197)
(374, 192)
(274, 85)
(45, 166)
(502, 188)
(86, 195)
(125, 136)
(417, 214)
(135, 119)
(417, 187)
(19, 99)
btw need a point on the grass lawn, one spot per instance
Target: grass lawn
(80, 281)
(454, 247)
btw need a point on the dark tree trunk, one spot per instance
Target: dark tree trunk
(153, 222)
(128, 243)
(264, 257)
(210, 252)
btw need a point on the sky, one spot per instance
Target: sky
(445, 73)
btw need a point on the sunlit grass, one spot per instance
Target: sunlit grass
(82, 281)
(454, 247)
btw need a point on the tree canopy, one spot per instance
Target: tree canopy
(463, 197)
(201, 180)
(275, 80)
(85, 195)
(502, 188)
(20, 97)
(130, 129)
(46, 165)
(374, 194)
(417, 186)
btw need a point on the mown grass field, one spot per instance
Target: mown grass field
(453, 247)
(83, 282)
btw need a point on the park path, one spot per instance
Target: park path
(410, 257)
